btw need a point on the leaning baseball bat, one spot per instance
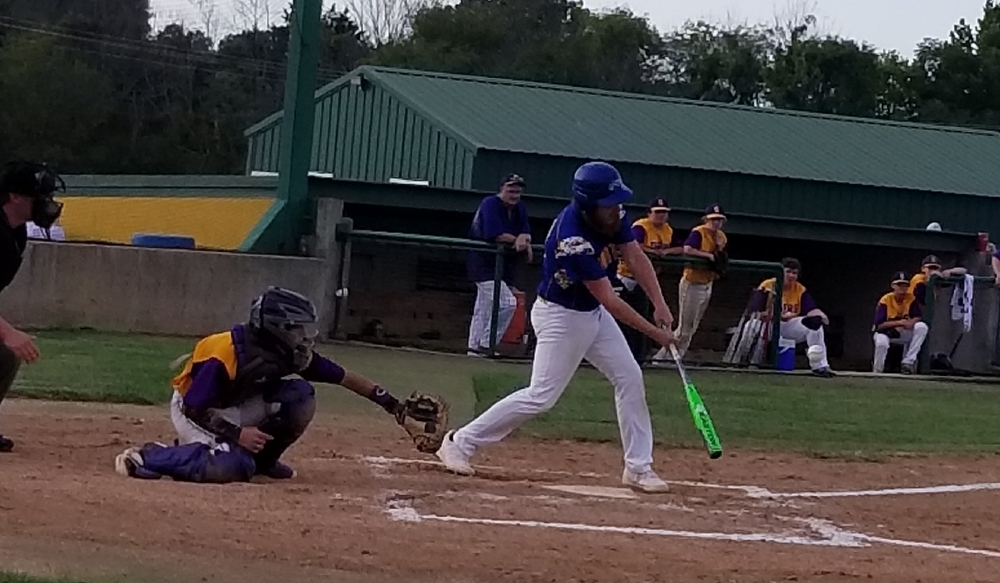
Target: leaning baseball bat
(698, 411)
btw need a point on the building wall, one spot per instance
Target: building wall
(756, 195)
(215, 223)
(219, 211)
(365, 133)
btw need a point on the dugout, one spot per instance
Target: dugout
(849, 197)
(419, 294)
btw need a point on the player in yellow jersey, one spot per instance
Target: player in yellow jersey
(898, 320)
(801, 319)
(695, 288)
(234, 408)
(929, 266)
(656, 237)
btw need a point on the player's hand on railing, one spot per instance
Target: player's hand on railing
(662, 317)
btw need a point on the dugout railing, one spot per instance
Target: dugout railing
(347, 236)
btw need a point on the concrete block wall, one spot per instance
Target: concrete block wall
(155, 291)
(124, 288)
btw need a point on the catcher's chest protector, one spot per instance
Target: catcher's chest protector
(257, 368)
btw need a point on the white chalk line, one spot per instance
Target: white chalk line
(944, 489)
(384, 461)
(750, 491)
(828, 534)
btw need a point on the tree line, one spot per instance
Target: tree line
(89, 85)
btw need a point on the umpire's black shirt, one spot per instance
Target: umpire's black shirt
(13, 240)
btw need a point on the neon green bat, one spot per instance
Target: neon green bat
(698, 411)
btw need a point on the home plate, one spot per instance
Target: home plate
(601, 491)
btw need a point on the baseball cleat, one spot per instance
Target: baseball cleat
(129, 464)
(907, 368)
(452, 457)
(278, 471)
(6, 445)
(646, 481)
(824, 372)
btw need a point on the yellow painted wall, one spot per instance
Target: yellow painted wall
(216, 223)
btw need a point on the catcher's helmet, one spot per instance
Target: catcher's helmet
(599, 184)
(286, 319)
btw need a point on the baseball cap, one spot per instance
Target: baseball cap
(931, 261)
(512, 179)
(658, 204)
(900, 277)
(715, 211)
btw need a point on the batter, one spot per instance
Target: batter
(574, 319)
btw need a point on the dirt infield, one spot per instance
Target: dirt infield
(367, 507)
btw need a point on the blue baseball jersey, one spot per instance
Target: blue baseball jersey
(493, 219)
(574, 253)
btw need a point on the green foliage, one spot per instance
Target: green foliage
(60, 104)
(90, 87)
(855, 416)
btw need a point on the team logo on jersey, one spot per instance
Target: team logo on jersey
(562, 279)
(574, 246)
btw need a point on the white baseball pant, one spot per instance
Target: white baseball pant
(565, 338)
(794, 330)
(912, 340)
(251, 413)
(693, 299)
(479, 328)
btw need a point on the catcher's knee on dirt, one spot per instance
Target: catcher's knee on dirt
(198, 462)
(297, 400)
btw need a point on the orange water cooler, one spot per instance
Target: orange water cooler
(518, 324)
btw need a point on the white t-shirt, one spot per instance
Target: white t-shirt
(56, 233)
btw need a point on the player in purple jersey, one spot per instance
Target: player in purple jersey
(574, 319)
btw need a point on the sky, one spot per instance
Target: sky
(887, 24)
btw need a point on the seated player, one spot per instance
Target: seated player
(898, 320)
(234, 412)
(929, 266)
(801, 320)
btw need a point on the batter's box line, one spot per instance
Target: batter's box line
(750, 491)
(828, 534)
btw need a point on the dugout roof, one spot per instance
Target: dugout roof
(462, 132)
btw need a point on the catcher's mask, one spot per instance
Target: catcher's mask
(38, 182)
(286, 321)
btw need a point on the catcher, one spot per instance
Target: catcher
(236, 413)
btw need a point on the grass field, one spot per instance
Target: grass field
(6, 577)
(843, 416)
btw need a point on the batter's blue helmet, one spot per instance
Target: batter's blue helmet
(599, 184)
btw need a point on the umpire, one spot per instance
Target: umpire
(26, 193)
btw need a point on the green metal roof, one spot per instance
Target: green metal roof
(518, 116)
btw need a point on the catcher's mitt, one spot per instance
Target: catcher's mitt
(720, 262)
(425, 419)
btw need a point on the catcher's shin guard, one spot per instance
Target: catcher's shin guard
(197, 462)
(298, 406)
